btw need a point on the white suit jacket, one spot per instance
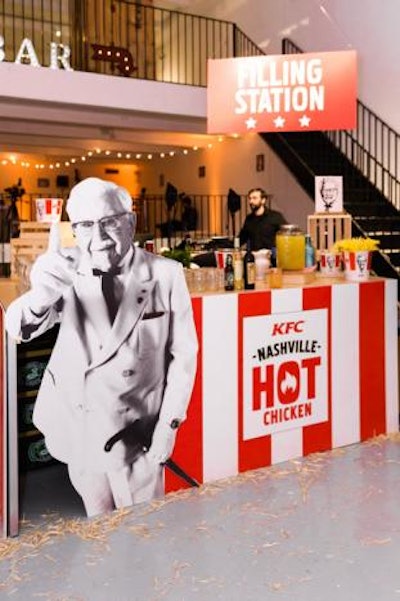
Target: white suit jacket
(146, 366)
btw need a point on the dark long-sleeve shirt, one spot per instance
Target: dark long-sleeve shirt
(261, 230)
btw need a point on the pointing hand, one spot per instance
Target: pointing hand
(52, 273)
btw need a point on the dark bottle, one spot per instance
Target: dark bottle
(229, 274)
(249, 269)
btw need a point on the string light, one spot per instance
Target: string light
(98, 153)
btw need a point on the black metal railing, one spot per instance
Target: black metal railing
(122, 37)
(213, 216)
(41, 22)
(154, 220)
(373, 146)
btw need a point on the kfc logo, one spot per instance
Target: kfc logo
(285, 372)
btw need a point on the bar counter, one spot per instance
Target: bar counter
(287, 372)
(281, 373)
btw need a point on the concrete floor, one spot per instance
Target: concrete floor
(324, 528)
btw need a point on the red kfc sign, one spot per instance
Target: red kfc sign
(295, 92)
(285, 372)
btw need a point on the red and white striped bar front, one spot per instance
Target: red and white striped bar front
(284, 373)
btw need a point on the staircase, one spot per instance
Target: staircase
(307, 154)
(367, 158)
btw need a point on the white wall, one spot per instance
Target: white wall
(62, 89)
(368, 26)
(231, 164)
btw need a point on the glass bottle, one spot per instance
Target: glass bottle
(249, 268)
(228, 273)
(290, 248)
(237, 265)
(309, 258)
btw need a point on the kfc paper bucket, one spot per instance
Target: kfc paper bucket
(48, 210)
(357, 265)
(330, 263)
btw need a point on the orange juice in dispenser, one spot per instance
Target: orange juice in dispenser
(290, 248)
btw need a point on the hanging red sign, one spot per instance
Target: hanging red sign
(295, 92)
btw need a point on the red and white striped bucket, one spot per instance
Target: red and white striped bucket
(357, 265)
(330, 263)
(220, 256)
(48, 210)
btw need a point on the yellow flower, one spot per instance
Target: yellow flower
(355, 244)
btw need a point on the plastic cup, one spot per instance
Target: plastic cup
(149, 246)
(199, 280)
(211, 282)
(275, 277)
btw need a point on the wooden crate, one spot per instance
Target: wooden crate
(40, 231)
(24, 252)
(32, 242)
(325, 229)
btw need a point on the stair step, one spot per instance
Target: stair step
(370, 209)
(387, 241)
(394, 257)
(361, 195)
(373, 223)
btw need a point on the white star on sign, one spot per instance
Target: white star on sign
(304, 121)
(279, 121)
(251, 123)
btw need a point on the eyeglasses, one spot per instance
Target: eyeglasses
(108, 224)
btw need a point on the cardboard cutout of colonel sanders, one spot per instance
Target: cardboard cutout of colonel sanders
(120, 376)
